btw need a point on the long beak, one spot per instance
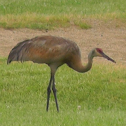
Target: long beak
(108, 58)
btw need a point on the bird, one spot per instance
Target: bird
(53, 51)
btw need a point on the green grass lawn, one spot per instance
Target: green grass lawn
(50, 14)
(96, 98)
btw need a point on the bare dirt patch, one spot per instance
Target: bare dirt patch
(112, 41)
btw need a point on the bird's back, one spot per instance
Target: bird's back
(44, 49)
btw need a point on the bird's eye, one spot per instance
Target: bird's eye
(99, 50)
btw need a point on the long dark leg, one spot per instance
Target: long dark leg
(54, 92)
(48, 92)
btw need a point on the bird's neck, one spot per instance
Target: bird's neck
(81, 68)
(87, 67)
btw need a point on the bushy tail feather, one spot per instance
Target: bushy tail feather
(17, 52)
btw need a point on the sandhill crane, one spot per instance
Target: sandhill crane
(53, 51)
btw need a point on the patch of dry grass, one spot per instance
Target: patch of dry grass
(46, 14)
(37, 21)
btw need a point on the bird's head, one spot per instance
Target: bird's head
(100, 53)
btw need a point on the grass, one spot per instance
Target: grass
(95, 98)
(51, 14)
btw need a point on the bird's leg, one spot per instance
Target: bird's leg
(54, 92)
(48, 92)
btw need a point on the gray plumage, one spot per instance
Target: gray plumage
(54, 51)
